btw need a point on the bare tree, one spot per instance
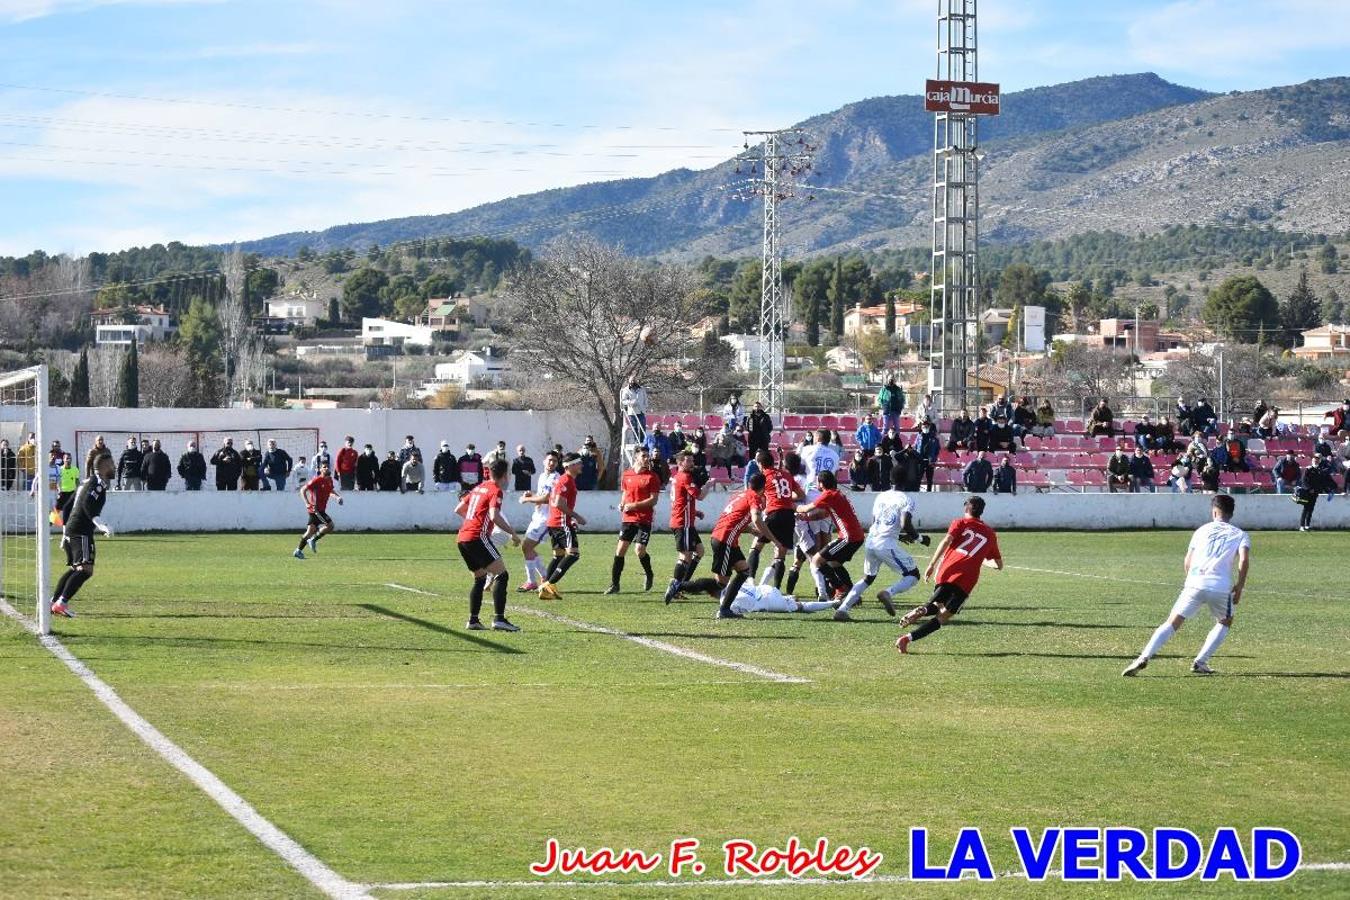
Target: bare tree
(586, 318)
(1077, 370)
(236, 333)
(105, 364)
(51, 303)
(166, 377)
(1246, 376)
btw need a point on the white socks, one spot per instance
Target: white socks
(822, 589)
(902, 585)
(1160, 637)
(854, 596)
(1212, 642)
(811, 606)
(534, 571)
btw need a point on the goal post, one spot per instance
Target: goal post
(25, 495)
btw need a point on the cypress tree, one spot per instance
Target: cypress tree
(79, 380)
(129, 380)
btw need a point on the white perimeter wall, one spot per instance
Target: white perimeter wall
(230, 511)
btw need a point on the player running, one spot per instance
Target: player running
(684, 515)
(80, 518)
(641, 488)
(827, 565)
(481, 509)
(892, 525)
(1210, 558)
(729, 566)
(563, 520)
(781, 494)
(537, 530)
(812, 535)
(315, 493)
(969, 544)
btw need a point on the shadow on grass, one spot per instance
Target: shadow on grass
(80, 641)
(441, 629)
(1333, 675)
(717, 637)
(965, 623)
(178, 615)
(1014, 654)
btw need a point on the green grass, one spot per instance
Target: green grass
(396, 746)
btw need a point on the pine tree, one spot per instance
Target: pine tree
(890, 314)
(838, 298)
(1300, 310)
(79, 380)
(813, 321)
(1333, 309)
(128, 382)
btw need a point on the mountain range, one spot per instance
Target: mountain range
(1127, 153)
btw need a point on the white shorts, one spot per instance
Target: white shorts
(537, 531)
(807, 531)
(1192, 599)
(891, 555)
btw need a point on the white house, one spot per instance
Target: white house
(747, 351)
(388, 333)
(469, 367)
(154, 323)
(297, 309)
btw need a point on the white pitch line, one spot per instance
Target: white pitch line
(283, 845)
(662, 646)
(721, 882)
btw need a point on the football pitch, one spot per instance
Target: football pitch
(343, 699)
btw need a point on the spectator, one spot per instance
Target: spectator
(250, 467)
(1001, 439)
(719, 454)
(26, 459)
(1024, 420)
(1141, 472)
(1287, 473)
(760, 428)
(657, 442)
(633, 399)
(391, 473)
(1197, 450)
(700, 440)
(1203, 418)
(963, 433)
(301, 473)
(1322, 443)
(661, 466)
(1180, 478)
(678, 440)
(732, 413)
(869, 437)
(860, 470)
(1314, 483)
(1118, 471)
(444, 468)
(929, 445)
(1343, 458)
(1268, 425)
(1144, 433)
(589, 476)
(367, 469)
(228, 466)
(891, 442)
(1005, 477)
(192, 467)
(67, 480)
(1328, 465)
(594, 448)
(984, 428)
(9, 466)
(98, 449)
(1165, 437)
(1045, 420)
(277, 465)
(910, 464)
(522, 469)
(739, 455)
(346, 464)
(496, 453)
(880, 469)
(321, 458)
(978, 474)
(55, 461)
(1002, 407)
(1184, 414)
(1340, 418)
(925, 410)
(409, 447)
(413, 474)
(129, 467)
(891, 403)
(1209, 475)
(156, 469)
(1235, 449)
(1261, 408)
(470, 468)
(1102, 422)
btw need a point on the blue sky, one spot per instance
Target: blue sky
(126, 122)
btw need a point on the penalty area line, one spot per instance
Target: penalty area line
(314, 870)
(650, 643)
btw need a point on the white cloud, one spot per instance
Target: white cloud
(24, 10)
(1232, 36)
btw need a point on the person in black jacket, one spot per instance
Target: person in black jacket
(1314, 482)
(1001, 439)
(522, 469)
(250, 466)
(156, 469)
(963, 433)
(984, 430)
(9, 466)
(228, 466)
(911, 466)
(192, 467)
(391, 473)
(80, 517)
(1141, 472)
(276, 466)
(129, 468)
(1005, 477)
(445, 468)
(979, 474)
(760, 428)
(367, 469)
(1118, 472)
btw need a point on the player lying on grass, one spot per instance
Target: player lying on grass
(757, 598)
(315, 493)
(481, 510)
(892, 525)
(729, 566)
(80, 518)
(969, 544)
(640, 489)
(1214, 549)
(537, 530)
(828, 565)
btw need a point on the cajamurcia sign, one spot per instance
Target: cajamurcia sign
(973, 97)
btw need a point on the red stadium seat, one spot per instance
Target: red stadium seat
(829, 422)
(811, 422)
(848, 423)
(792, 420)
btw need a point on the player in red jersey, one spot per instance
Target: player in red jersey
(744, 513)
(827, 565)
(562, 527)
(685, 492)
(481, 510)
(968, 545)
(641, 488)
(315, 493)
(781, 495)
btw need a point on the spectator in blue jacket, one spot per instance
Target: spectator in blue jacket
(658, 443)
(869, 436)
(978, 474)
(1005, 477)
(276, 466)
(929, 444)
(1141, 472)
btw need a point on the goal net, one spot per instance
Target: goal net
(25, 493)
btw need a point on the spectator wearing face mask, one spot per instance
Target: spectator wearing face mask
(367, 469)
(156, 469)
(1118, 472)
(192, 467)
(391, 473)
(346, 464)
(1141, 472)
(409, 448)
(1005, 477)
(129, 467)
(413, 474)
(1287, 473)
(228, 466)
(470, 468)
(277, 466)
(978, 474)
(445, 468)
(250, 467)
(322, 458)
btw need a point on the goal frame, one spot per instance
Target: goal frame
(42, 498)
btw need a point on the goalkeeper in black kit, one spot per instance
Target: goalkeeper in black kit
(77, 535)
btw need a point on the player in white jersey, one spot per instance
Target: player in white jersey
(538, 527)
(892, 525)
(764, 597)
(821, 455)
(1215, 550)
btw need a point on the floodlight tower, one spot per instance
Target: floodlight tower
(957, 99)
(776, 165)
